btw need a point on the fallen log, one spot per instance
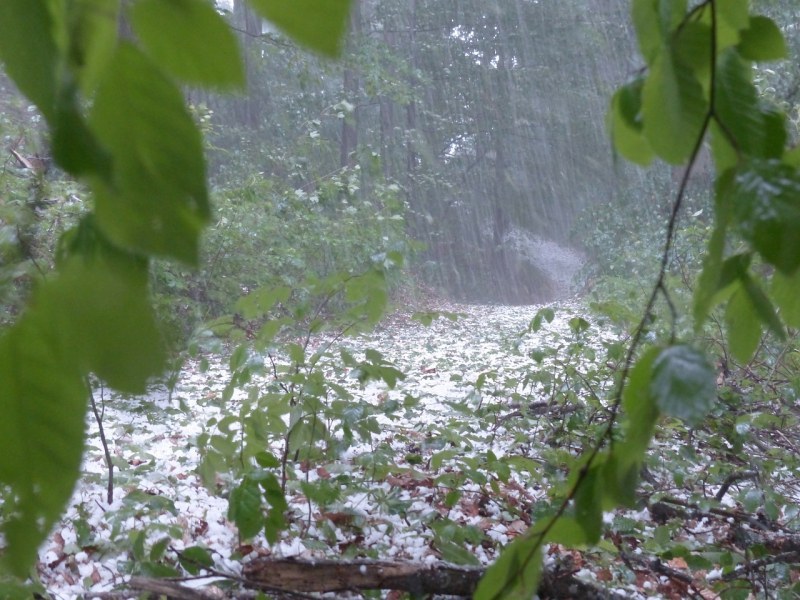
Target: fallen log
(304, 576)
(341, 575)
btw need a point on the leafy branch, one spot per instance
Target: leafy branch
(664, 114)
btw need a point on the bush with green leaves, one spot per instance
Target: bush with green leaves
(300, 416)
(265, 233)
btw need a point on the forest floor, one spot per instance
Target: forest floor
(472, 445)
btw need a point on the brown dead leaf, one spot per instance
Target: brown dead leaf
(517, 527)
(322, 473)
(339, 518)
(201, 528)
(603, 575)
(677, 563)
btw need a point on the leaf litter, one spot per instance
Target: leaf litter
(475, 444)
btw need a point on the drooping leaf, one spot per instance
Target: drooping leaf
(655, 22)
(317, 25)
(641, 411)
(625, 124)
(786, 292)
(722, 150)
(693, 48)
(762, 40)
(244, 508)
(648, 31)
(117, 339)
(673, 108)
(737, 104)
(763, 306)
(515, 574)
(29, 50)
(156, 202)
(709, 282)
(743, 326)
(589, 502)
(766, 204)
(683, 383)
(41, 433)
(275, 521)
(199, 47)
(732, 17)
(621, 470)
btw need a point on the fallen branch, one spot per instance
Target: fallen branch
(666, 509)
(755, 565)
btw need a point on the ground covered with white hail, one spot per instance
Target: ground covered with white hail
(470, 448)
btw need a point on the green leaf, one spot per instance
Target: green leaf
(275, 521)
(766, 203)
(625, 124)
(711, 280)
(683, 383)
(317, 25)
(589, 503)
(786, 292)
(157, 550)
(259, 302)
(639, 405)
(75, 147)
(763, 306)
(655, 20)
(515, 574)
(736, 13)
(566, 531)
(194, 559)
(41, 432)
(156, 202)
(648, 32)
(620, 477)
(621, 469)
(455, 553)
(737, 105)
(119, 341)
(732, 17)
(673, 108)
(29, 50)
(244, 508)
(92, 36)
(762, 40)
(743, 326)
(191, 40)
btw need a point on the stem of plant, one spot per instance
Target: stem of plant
(109, 464)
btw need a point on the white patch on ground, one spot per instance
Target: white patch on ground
(154, 446)
(559, 262)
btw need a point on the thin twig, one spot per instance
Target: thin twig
(98, 417)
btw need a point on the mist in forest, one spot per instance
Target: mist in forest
(482, 124)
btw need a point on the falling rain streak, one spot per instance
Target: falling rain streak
(489, 118)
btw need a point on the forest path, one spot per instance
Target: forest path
(560, 262)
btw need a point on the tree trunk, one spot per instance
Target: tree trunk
(348, 156)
